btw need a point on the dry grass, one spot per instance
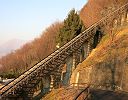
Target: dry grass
(61, 94)
(100, 54)
(1, 85)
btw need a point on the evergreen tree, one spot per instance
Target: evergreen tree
(72, 27)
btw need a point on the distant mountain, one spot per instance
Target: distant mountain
(10, 46)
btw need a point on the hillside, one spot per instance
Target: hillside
(107, 65)
(30, 53)
(94, 10)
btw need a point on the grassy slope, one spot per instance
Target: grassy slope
(106, 49)
(61, 94)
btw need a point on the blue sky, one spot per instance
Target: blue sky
(26, 19)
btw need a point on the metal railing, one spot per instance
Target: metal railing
(85, 90)
(74, 87)
(105, 87)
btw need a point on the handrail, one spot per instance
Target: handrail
(68, 87)
(77, 86)
(55, 53)
(97, 86)
(86, 89)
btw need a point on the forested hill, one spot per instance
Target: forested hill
(30, 53)
(94, 10)
(55, 36)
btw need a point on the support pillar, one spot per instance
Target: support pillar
(66, 75)
(89, 46)
(76, 58)
(51, 83)
(122, 19)
(82, 54)
(119, 21)
(70, 64)
(45, 88)
(85, 45)
(125, 17)
(46, 84)
(77, 78)
(115, 23)
(100, 36)
(74, 62)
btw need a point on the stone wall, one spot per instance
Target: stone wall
(84, 75)
(109, 75)
(106, 66)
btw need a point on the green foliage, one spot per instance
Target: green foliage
(73, 26)
(9, 75)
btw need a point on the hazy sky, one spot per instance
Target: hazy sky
(26, 19)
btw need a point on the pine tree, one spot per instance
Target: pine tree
(73, 26)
